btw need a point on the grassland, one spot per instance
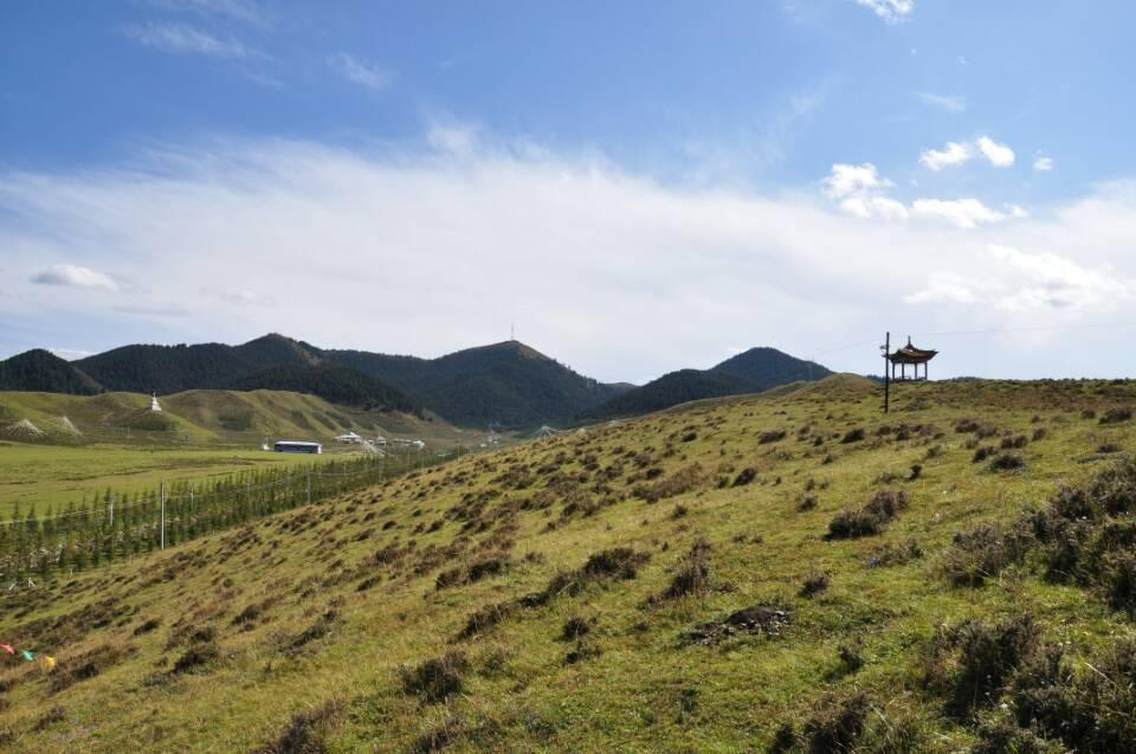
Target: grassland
(56, 475)
(582, 593)
(114, 442)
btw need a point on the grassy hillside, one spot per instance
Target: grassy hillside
(206, 416)
(790, 572)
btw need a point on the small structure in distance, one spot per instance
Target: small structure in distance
(297, 446)
(349, 438)
(909, 354)
(154, 405)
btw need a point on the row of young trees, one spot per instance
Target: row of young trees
(119, 525)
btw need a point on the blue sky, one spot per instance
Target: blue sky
(640, 186)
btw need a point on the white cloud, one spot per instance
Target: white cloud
(953, 153)
(957, 153)
(1022, 282)
(846, 180)
(419, 251)
(999, 155)
(74, 276)
(1043, 164)
(889, 10)
(182, 39)
(860, 191)
(358, 72)
(964, 213)
(949, 103)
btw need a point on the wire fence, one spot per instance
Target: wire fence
(118, 525)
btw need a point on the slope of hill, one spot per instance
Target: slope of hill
(788, 572)
(336, 384)
(506, 384)
(209, 416)
(753, 371)
(42, 370)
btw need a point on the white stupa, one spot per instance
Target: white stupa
(154, 405)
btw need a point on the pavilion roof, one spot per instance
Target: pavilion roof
(909, 354)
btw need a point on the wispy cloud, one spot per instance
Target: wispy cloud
(183, 39)
(247, 11)
(946, 102)
(891, 11)
(1018, 281)
(1043, 164)
(358, 72)
(74, 276)
(579, 250)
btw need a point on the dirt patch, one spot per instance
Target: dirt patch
(768, 620)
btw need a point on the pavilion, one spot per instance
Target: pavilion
(909, 354)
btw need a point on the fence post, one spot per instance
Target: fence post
(111, 504)
(309, 485)
(162, 486)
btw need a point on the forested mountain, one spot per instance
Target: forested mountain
(336, 384)
(43, 371)
(753, 371)
(508, 385)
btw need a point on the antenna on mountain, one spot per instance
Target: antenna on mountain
(512, 331)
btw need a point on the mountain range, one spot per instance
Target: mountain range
(508, 385)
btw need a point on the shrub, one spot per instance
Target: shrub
(806, 503)
(853, 435)
(971, 662)
(485, 618)
(814, 584)
(982, 453)
(195, 657)
(1116, 416)
(983, 552)
(306, 732)
(436, 679)
(837, 725)
(883, 506)
(693, 574)
(745, 476)
(1007, 462)
(574, 628)
(771, 436)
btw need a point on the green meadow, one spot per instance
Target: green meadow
(792, 571)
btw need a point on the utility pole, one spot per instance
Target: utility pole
(112, 511)
(309, 485)
(886, 348)
(163, 488)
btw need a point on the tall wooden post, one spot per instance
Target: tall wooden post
(887, 373)
(163, 488)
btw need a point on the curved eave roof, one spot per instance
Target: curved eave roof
(911, 355)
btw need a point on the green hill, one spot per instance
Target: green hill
(42, 370)
(207, 416)
(791, 571)
(753, 371)
(506, 384)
